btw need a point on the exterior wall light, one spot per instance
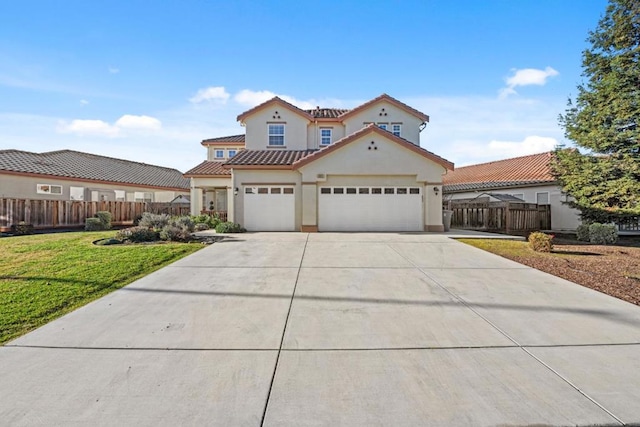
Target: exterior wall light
(435, 190)
(235, 192)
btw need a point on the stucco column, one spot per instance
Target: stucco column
(196, 198)
(433, 207)
(309, 207)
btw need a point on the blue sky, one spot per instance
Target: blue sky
(148, 80)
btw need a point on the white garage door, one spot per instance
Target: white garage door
(370, 209)
(269, 208)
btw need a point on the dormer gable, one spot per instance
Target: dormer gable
(276, 102)
(381, 99)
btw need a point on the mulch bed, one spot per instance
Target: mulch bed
(613, 270)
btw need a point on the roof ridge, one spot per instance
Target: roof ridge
(82, 153)
(505, 160)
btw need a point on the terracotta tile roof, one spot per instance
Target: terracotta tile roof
(391, 100)
(525, 170)
(224, 140)
(208, 167)
(326, 113)
(372, 128)
(85, 166)
(273, 157)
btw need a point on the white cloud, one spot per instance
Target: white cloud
(138, 122)
(114, 70)
(84, 102)
(526, 77)
(212, 93)
(250, 98)
(529, 145)
(88, 127)
(126, 123)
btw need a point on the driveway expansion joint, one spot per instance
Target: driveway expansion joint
(509, 337)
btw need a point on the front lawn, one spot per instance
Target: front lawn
(611, 269)
(45, 276)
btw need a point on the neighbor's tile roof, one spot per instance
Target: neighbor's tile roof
(525, 170)
(208, 167)
(85, 166)
(272, 157)
(326, 113)
(224, 140)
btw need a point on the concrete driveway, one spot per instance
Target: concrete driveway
(333, 329)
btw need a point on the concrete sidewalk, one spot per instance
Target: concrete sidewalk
(333, 329)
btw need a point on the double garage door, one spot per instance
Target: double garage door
(340, 208)
(370, 209)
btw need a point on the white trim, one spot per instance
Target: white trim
(540, 193)
(330, 130)
(219, 152)
(393, 131)
(270, 134)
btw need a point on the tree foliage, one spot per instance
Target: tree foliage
(604, 120)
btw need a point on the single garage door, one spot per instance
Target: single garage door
(269, 208)
(370, 209)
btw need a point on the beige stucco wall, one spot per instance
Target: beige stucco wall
(313, 132)
(563, 217)
(410, 124)
(295, 134)
(255, 178)
(391, 164)
(211, 152)
(24, 187)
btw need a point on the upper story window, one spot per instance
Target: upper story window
(232, 153)
(396, 129)
(383, 126)
(219, 154)
(276, 134)
(325, 136)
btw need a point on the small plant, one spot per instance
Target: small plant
(184, 223)
(21, 229)
(582, 232)
(93, 224)
(137, 234)
(211, 221)
(175, 234)
(154, 221)
(201, 226)
(229, 227)
(105, 219)
(541, 242)
(603, 234)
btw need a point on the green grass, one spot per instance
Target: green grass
(43, 277)
(502, 247)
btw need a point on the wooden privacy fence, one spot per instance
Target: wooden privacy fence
(504, 217)
(68, 213)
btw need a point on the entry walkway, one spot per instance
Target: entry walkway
(333, 329)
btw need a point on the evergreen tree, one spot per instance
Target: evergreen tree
(605, 181)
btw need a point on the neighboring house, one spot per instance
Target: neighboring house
(73, 175)
(528, 178)
(325, 169)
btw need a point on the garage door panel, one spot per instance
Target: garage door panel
(269, 208)
(370, 209)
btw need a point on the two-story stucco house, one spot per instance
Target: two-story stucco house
(325, 170)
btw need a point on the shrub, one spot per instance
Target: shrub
(137, 234)
(155, 221)
(184, 223)
(21, 229)
(211, 221)
(541, 242)
(93, 224)
(229, 227)
(201, 226)
(105, 219)
(136, 220)
(582, 232)
(602, 234)
(175, 234)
